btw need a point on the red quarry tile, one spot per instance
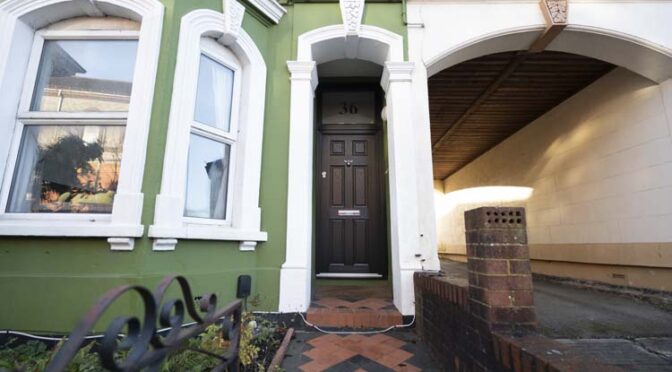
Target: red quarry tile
(324, 340)
(393, 342)
(314, 366)
(331, 350)
(363, 313)
(393, 359)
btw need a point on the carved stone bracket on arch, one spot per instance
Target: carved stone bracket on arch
(555, 11)
(233, 20)
(352, 12)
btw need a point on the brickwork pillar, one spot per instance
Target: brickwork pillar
(500, 278)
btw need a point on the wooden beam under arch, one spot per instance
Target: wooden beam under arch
(555, 14)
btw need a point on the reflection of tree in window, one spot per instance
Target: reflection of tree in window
(67, 169)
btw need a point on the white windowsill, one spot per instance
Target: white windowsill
(83, 229)
(166, 236)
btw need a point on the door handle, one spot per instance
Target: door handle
(347, 162)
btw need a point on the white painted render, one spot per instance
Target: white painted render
(633, 34)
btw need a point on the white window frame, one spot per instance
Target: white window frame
(21, 25)
(211, 32)
(221, 55)
(26, 117)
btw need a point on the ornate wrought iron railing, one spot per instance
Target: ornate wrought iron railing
(143, 346)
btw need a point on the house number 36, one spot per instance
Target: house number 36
(348, 108)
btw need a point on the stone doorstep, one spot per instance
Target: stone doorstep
(354, 318)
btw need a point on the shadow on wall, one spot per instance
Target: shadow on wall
(450, 208)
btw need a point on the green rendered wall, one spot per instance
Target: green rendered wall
(46, 284)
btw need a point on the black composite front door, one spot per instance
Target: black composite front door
(350, 214)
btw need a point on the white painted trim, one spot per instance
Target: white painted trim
(223, 56)
(68, 229)
(208, 232)
(384, 48)
(270, 8)
(295, 277)
(595, 29)
(349, 275)
(121, 244)
(248, 246)
(245, 225)
(19, 20)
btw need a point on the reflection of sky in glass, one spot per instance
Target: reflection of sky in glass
(103, 59)
(207, 178)
(85, 75)
(213, 99)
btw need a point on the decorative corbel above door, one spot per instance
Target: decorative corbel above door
(352, 12)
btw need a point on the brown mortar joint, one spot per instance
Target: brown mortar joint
(500, 277)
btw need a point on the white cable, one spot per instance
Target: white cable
(357, 332)
(44, 338)
(92, 337)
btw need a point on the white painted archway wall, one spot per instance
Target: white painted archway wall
(633, 34)
(413, 236)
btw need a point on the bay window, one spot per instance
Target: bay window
(71, 121)
(74, 117)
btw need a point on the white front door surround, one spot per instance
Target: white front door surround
(413, 245)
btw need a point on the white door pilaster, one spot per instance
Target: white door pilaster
(404, 218)
(424, 175)
(295, 275)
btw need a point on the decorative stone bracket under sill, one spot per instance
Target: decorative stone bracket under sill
(165, 238)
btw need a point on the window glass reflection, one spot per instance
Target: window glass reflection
(67, 169)
(213, 99)
(85, 76)
(207, 178)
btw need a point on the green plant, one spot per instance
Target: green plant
(258, 342)
(35, 355)
(29, 356)
(248, 350)
(191, 359)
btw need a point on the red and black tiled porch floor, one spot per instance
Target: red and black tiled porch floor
(397, 350)
(355, 308)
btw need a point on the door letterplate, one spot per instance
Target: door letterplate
(349, 212)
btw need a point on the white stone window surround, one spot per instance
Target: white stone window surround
(245, 224)
(223, 56)
(19, 23)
